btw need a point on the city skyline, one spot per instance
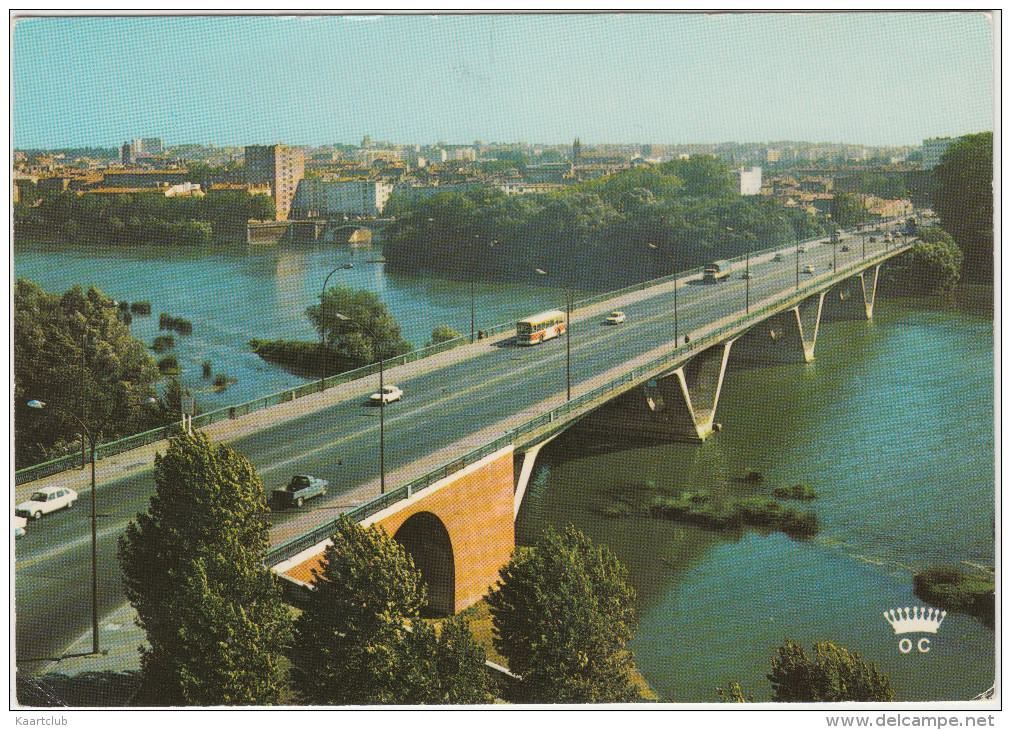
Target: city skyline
(873, 79)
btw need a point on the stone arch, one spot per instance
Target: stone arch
(427, 540)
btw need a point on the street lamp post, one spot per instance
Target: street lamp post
(568, 337)
(322, 329)
(382, 401)
(674, 263)
(95, 649)
(747, 281)
(798, 264)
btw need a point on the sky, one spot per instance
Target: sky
(887, 79)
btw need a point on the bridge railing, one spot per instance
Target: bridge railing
(111, 448)
(680, 352)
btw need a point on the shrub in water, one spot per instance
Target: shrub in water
(801, 492)
(162, 343)
(220, 380)
(206, 369)
(141, 307)
(168, 364)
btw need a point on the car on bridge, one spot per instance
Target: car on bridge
(779, 257)
(388, 394)
(300, 488)
(808, 269)
(45, 500)
(615, 317)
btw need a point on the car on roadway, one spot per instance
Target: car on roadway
(779, 257)
(844, 249)
(872, 239)
(802, 249)
(615, 317)
(46, 500)
(388, 394)
(746, 275)
(808, 269)
(19, 526)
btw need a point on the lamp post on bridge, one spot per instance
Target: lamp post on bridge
(675, 264)
(382, 400)
(322, 329)
(95, 645)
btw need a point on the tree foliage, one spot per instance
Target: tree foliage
(358, 640)
(963, 200)
(847, 210)
(562, 613)
(193, 569)
(73, 353)
(832, 674)
(443, 333)
(350, 338)
(147, 217)
(933, 265)
(598, 232)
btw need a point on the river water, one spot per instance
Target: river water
(893, 424)
(233, 294)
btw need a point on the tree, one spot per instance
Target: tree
(193, 568)
(562, 613)
(963, 200)
(441, 334)
(347, 647)
(74, 353)
(348, 337)
(934, 264)
(833, 674)
(444, 667)
(359, 640)
(847, 210)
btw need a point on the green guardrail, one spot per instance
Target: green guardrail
(70, 461)
(681, 352)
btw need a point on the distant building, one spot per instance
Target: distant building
(315, 198)
(279, 167)
(577, 149)
(749, 182)
(126, 154)
(933, 150)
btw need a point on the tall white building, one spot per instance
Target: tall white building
(315, 198)
(749, 182)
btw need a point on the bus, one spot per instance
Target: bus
(540, 327)
(716, 270)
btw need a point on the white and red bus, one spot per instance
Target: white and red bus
(540, 327)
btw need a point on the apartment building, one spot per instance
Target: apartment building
(315, 198)
(278, 167)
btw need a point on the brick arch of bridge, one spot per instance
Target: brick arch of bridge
(459, 530)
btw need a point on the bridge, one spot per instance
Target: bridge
(481, 411)
(336, 230)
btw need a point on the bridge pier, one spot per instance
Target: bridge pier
(853, 297)
(787, 336)
(678, 406)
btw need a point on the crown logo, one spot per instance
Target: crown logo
(916, 619)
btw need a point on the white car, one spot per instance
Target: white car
(388, 394)
(615, 317)
(19, 526)
(45, 500)
(808, 269)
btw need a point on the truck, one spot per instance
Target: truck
(716, 271)
(300, 488)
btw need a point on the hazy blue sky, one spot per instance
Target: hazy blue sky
(867, 78)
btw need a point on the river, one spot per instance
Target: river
(233, 294)
(893, 424)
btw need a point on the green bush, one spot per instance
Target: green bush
(221, 380)
(302, 357)
(700, 508)
(952, 589)
(162, 343)
(180, 325)
(168, 364)
(206, 369)
(141, 307)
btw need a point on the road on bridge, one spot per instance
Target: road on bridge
(450, 405)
